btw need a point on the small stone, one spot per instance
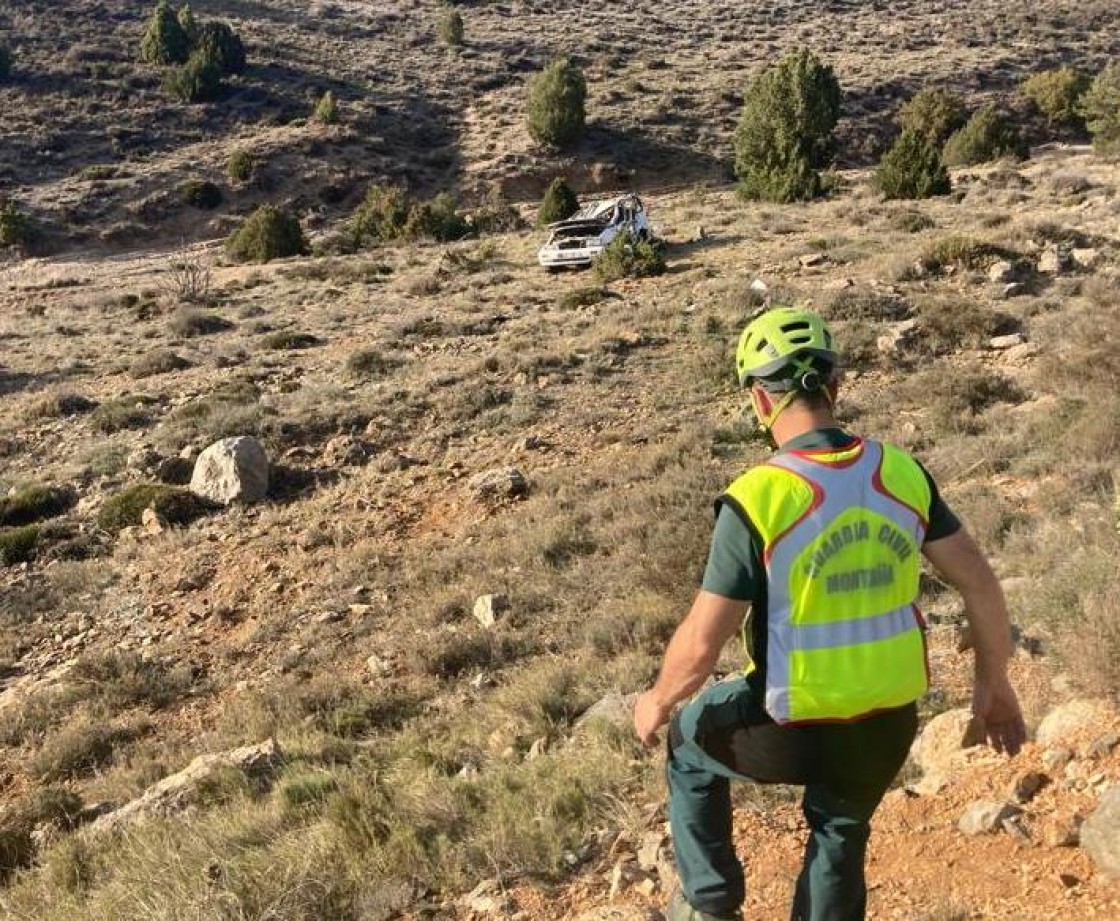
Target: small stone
(944, 736)
(1103, 746)
(328, 617)
(487, 609)
(1100, 834)
(1012, 289)
(1026, 785)
(1054, 759)
(809, 260)
(929, 785)
(898, 338)
(1062, 831)
(538, 748)
(1052, 261)
(758, 286)
(1006, 342)
(615, 708)
(647, 887)
(500, 483)
(1001, 272)
(153, 522)
(649, 851)
(232, 470)
(985, 817)
(378, 666)
(487, 898)
(1071, 718)
(1085, 258)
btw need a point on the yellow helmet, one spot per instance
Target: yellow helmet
(784, 348)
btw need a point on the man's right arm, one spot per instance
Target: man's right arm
(960, 561)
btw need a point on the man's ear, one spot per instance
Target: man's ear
(762, 400)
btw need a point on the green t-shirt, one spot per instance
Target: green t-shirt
(735, 567)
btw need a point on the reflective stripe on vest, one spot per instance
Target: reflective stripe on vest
(841, 550)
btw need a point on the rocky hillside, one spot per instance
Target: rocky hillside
(471, 500)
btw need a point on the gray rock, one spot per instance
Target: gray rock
(621, 913)
(944, 736)
(986, 817)
(1001, 272)
(1070, 718)
(615, 708)
(1012, 289)
(1054, 759)
(1102, 747)
(178, 791)
(1062, 831)
(811, 259)
(1085, 258)
(231, 470)
(488, 608)
(1006, 342)
(898, 338)
(1026, 785)
(1053, 261)
(1100, 834)
(500, 483)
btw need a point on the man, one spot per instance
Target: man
(820, 547)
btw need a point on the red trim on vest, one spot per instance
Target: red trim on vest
(818, 500)
(811, 454)
(879, 487)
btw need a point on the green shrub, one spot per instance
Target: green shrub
(583, 297)
(934, 114)
(1101, 108)
(199, 80)
(912, 168)
(15, 226)
(127, 412)
(989, 135)
(1057, 94)
(380, 217)
(326, 110)
(5, 62)
(188, 23)
(450, 29)
(268, 233)
(17, 545)
(555, 106)
(58, 403)
(367, 363)
(627, 257)
(962, 252)
(222, 46)
(164, 42)
(162, 361)
(785, 130)
(35, 503)
(73, 752)
(240, 165)
(200, 193)
(188, 323)
(126, 508)
(288, 340)
(438, 219)
(559, 203)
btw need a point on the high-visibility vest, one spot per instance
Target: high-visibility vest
(841, 532)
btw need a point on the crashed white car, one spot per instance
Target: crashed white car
(579, 239)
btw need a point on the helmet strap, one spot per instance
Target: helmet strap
(766, 420)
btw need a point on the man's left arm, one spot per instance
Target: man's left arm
(690, 658)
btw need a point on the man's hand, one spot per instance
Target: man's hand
(995, 704)
(649, 716)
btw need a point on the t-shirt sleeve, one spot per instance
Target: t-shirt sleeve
(733, 569)
(942, 520)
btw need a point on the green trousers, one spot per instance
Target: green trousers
(724, 734)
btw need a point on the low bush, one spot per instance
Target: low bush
(268, 233)
(199, 80)
(629, 257)
(1101, 108)
(287, 340)
(1057, 95)
(123, 679)
(162, 361)
(962, 252)
(240, 165)
(15, 226)
(583, 297)
(555, 106)
(370, 363)
(912, 168)
(73, 751)
(35, 503)
(59, 403)
(558, 204)
(962, 396)
(380, 217)
(990, 134)
(127, 412)
(189, 322)
(438, 219)
(450, 30)
(126, 508)
(933, 114)
(17, 545)
(200, 193)
(326, 109)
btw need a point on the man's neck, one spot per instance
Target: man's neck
(797, 421)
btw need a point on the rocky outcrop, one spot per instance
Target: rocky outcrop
(180, 791)
(1070, 718)
(1100, 834)
(232, 470)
